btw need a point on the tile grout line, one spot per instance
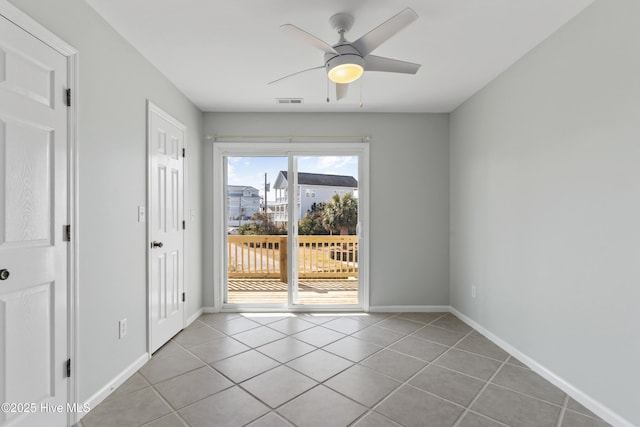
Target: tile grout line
(272, 411)
(186, 349)
(563, 410)
(166, 402)
(475, 399)
(234, 383)
(172, 410)
(238, 384)
(406, 383)
(582, 414)
(557, 405)
(388, 347)
(175, 411)
(462, 350)
(502, 363)
(489, 381)
(318, 383)
(369, 412)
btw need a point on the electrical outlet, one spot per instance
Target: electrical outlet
(473, 291)
(142, 214)
(122, 326)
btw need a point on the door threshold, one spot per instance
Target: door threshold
(279, 308)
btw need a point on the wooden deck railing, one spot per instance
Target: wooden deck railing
(319, 257)
(255, 256)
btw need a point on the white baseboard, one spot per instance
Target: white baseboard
(194, 317)
(410, 309)
(588, 402)
(105, 391)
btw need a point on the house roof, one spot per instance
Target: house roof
(241, 189)
(306, 178)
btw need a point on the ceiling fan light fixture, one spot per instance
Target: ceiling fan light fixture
(345, 68)
(345, 73)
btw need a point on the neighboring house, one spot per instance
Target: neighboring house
(312, 188)
(242, 202)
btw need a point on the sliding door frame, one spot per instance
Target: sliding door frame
(222, 150)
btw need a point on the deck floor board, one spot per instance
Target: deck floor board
(310, 292)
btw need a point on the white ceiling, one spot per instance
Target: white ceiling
(222, 53)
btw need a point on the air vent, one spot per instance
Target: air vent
(289, 100)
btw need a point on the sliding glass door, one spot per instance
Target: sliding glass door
(327, 224)
(256, 237)
(292, 218)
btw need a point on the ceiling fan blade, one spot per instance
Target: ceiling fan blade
(384, 31)
(296, 73)
(308, 38)
(341, 90)
(378, 63)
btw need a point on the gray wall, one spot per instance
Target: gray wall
(409, 167)
(115, 82)
(545, 205)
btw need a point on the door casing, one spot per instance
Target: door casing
(291, 149)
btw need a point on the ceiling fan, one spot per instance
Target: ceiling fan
(345, 62)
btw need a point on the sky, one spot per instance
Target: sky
(250, 170)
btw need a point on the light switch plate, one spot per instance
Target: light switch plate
(122, 328)
(142, 214)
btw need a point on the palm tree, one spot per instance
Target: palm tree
(341, 214)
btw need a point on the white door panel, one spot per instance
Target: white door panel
(33, 212)
(166, 216)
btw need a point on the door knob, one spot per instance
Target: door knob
(4, 274)
(156, 244)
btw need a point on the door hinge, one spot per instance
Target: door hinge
(69, 368)
(184, 297)
(68, 97)
(67, 233)
(184, 225)
(184, 152)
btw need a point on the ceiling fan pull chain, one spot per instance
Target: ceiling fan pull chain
(361, 84)
(327, 90)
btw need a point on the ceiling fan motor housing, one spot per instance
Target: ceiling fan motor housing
(347, 55)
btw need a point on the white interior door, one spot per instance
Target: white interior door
(166, 216)
(33, 212)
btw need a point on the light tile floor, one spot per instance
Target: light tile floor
(365, 370)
